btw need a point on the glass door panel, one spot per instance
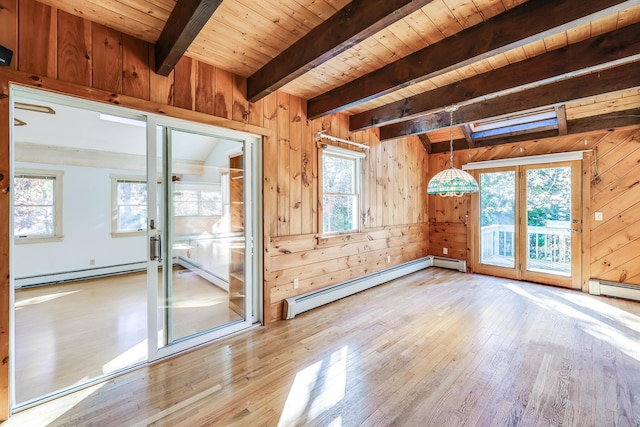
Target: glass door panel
(498, 218)
(80, 286)
(204, 261)
(549, 220)
(529, 225)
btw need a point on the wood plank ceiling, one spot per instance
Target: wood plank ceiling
(395, 64)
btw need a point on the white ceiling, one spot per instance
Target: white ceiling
(74, 127)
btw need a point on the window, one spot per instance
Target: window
(340, 190)
(37, 204)
(129, 204)
(197, 199)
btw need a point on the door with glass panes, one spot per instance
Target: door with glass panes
(527, 223)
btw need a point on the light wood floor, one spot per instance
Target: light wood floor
(71, 332)
(434, 348)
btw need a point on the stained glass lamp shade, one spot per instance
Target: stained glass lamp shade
(452, 182)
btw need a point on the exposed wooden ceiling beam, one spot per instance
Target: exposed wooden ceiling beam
(617, 119)
(561, 115)
(466, 131)
(524, 24)
(585, 86)
(426, 143)
(607, 121)
(353, 23)
(184, 24)
(545, 68)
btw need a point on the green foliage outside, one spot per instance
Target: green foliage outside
(339, 201)
(33, 206)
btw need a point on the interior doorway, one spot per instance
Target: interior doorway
(527, 223)
(133, 239)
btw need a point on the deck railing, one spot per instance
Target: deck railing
(546, 243)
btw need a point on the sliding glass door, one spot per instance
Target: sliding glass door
(134, 238)
(528, 223)
(202, 199)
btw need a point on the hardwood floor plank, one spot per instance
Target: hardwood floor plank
(436, 347)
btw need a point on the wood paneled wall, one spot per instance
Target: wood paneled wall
(394, 198)
(613, 244)
(57, 51)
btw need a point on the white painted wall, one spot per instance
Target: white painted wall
(86, 227)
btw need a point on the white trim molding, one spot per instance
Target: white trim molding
(527, 160)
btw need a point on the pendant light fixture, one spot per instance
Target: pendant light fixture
(452, 182)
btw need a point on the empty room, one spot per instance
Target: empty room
(315, 212)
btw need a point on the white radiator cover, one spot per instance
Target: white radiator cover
(301, 303)
(614, 289)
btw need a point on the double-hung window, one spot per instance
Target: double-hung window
(341, 189)
(129, 204)
(37, 204)
(197, 199)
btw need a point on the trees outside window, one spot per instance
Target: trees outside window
(340, 192)
(37, 204)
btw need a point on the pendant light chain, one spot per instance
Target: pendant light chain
(451, 135)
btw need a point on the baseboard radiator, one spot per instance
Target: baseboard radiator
(614, 289)
(301, 303)
(83, 274)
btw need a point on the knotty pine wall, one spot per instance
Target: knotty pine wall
(611, 246)
(68, 54)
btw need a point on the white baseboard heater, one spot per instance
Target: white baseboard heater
(614, 289)
(301, 303)
(83, 274)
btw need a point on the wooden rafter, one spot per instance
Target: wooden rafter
(524, 24)
(585, 86)
(466, 131)
(183, 26)
(349, 26)
(426, 143)
(561, 114)
(596, 51)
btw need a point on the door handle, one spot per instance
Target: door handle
(155, 248)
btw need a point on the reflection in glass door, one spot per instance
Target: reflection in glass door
(498, 218)
(203, 286)
(529, 223)
(133, 236)
(549, 220)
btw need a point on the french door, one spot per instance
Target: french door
(528, 224)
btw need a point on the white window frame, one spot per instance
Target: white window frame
(115, 180)
(199, 188)
(56, 175)
(356, 157)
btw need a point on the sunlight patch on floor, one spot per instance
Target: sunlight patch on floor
(41, 299)
(625, 318)
(134, 355)
(316, 389)
(47, 413)
(627, 343)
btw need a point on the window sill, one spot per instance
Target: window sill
(128, 233)
(26, 240)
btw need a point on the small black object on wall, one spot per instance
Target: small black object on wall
(5, 56)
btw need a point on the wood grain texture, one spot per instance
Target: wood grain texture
(223, 103)
(184, 83)
(468, 350)
(74, 49)
(38, 46)
(5, 242)
(107, 58)
(135, 67)
(205, 85)
(9, 28)
(613, 244)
